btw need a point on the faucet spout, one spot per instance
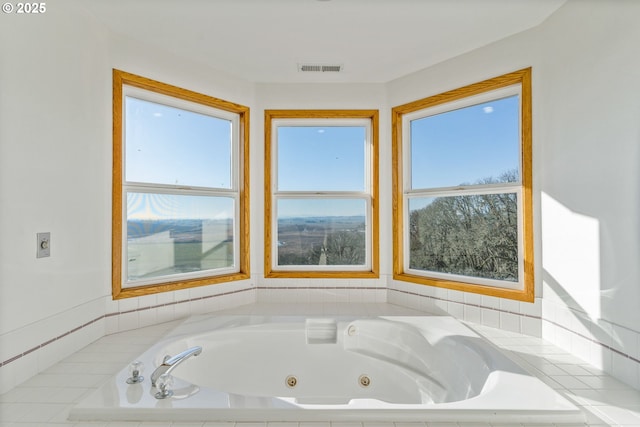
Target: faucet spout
(170, 363)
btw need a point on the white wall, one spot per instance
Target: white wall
(54, 167)
(55, 176)
(590, 182)
(54, 69)
(586, 139)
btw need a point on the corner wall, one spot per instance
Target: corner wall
(55, 176)
(54, 165)
(590, 187)
(586, 136)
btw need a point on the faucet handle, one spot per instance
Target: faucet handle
(135, 369)
(163, 384)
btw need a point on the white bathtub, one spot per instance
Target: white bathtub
(427, 368)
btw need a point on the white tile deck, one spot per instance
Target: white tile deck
(46, 399)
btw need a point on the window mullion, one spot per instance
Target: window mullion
(322, 195)
(177, 189)
(510, 187)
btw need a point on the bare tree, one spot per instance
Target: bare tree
(473, 235)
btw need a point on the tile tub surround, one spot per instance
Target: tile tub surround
(34, 348)
(46, 398)
(25, 352)
(611, 348)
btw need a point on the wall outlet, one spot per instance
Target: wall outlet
(44, 245)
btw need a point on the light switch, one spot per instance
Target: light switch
(44, 245)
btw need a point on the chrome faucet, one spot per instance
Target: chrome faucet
(169, 363)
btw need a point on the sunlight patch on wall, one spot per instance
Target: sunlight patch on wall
(571, 256)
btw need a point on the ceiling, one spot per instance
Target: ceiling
(375, 41)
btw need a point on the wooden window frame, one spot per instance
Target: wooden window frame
(270, 271)
(120, 80)
(521, 78)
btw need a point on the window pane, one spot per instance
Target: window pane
(321, 232)
(328, 158)
(170, 234)
(473, 236)
(167, 145)
(472, 145)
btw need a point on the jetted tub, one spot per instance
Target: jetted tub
(281, 368)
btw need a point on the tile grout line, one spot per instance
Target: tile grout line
(633, 359)
(139, 309)
(366, 288)
(108, 315)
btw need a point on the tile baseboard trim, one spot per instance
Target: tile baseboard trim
(590, 339)
(323, 288)
(594, 341)
(20, 355)
(468, 304)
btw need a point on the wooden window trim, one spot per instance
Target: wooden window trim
(522, 78)
(271, 115)
(120, 79)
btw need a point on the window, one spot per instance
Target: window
(180, 188)
(462, 189)
(321, 215)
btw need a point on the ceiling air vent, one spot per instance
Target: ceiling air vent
(320, 68)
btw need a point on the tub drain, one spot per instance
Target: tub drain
(364, 381)
(291, 381)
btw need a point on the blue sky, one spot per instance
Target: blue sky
(168, 145)
(321, 158)
(172, 146)
(330, 158)
(288, 208)
(465, 145)
(168, 206)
